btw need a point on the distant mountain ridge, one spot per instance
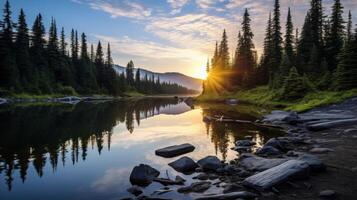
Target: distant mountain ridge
(173, 77)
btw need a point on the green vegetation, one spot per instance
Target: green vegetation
(302, 71)
(264, 96)
(34, 65)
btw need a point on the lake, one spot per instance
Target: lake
(87, 150)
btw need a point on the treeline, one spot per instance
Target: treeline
(322, 56)
(32, 64)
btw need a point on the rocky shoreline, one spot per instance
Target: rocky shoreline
(67, 100)
(277, 170)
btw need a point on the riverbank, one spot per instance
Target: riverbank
(263, 96)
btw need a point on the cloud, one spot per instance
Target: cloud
(125, 8)
(177, 5)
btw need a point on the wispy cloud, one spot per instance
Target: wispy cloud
(125, 8)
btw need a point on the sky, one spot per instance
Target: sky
(165, 35)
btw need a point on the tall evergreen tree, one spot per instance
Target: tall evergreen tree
(38, 55)
(336, 37)
(99, 64)
(8, 69)
(130, 74)
(244, 59)
(349, 28)
(23, 61)
(289, 38)
(267, 60)
(137, 80)
(224, 52)
(276, 37)
(215, 58)
(63, 44)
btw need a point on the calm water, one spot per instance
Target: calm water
(87, 151)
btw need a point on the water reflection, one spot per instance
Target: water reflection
(95, 145)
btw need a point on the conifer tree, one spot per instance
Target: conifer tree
(223, 62)
(99, 64)
(265, 68)
(294, 86)
(23, 61)
(137, 80)
(336, 37)
(276, 37)
(63, 44)
(130, 74)
(349, 28)
(289, 38)
(8, 70)
(215, 57)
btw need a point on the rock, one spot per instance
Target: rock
(279, 116)
(321, 150)
(70, 99)
(268, 151)
(276, 175)
(231, 101)
(202, 177)
(314, 162)
(245, 143)
(184, 164)
(242, 149)
(176, 150)
(233, 187)
(210, 163)
(327, 194)
(135, 190)
(3, 101)
(255, 163)
(331, 124)
(166, 181)
(143, 175)
(278, 144)
(195, 187)
(233, 195)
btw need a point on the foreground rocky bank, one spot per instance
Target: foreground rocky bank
(315, 159)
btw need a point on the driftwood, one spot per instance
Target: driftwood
(222, 119)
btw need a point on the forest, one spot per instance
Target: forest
(321, 56)
(33, 64)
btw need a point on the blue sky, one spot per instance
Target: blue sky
(164, 35)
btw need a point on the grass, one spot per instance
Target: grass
(263, 96)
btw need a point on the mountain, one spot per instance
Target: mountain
(173, 77)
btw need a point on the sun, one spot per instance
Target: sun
(201, 73)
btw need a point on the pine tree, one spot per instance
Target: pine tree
(347, 68)
(63, 44)
(265, 68)
(130, 74)
(137, 80)
(23, 61)
(289, 38)
(294, 87)
(9, 73)
(99, 64)
(38, 55)
(276, 37)
(84, 51)
(244, 59)
(349, 28)
(215, 57)
(223, 52)
(53, 53)
(335, 40)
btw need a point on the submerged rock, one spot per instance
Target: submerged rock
(278, 174)
(245, 143)
(195, 187)
(278, 144)
(165, 181)
(135, 190)
(233, 195)
(321, 150)
(327, 194)
(210, 163)
(143, 175)
(184, 164)
(279, 116)
(176, 150)
(331, 124)
(256, 163)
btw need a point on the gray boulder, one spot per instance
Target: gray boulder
(314, 162)
(277, 175)
(279, 117)
(143, 175)
(195, 187)
(176, 150)
(233, 195)
(184, 165)
(268, 151)
(245, 143)
(319, 150)
(331, 124)
(278, 144)
(254, 163)
(210, 163)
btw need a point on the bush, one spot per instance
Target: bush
(66, 90)
(294, 86)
